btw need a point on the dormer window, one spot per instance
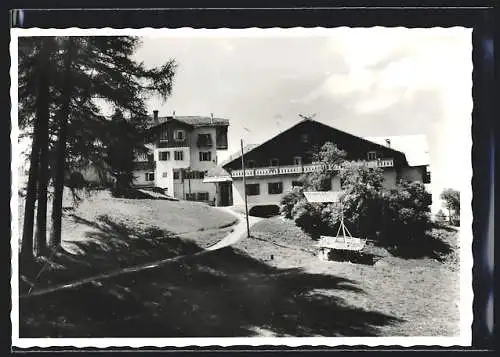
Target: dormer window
(179, 135)
(274, 162)
(372, 155)
(250, 164)
(304, 138)
(297, 160)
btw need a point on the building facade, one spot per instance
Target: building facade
(181, 151)
(273, 168)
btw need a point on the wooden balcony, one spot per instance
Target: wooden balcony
(299, 169)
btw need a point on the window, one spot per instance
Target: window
(205, 156)
(204, 140)
(297, 160)
(202, 196)
(253, 189)
(164, 155)
(297, 184)
(194, 175)
(427, 176)
(179, 135)
(178, 155)
(176, 175)
(372, 155)
(274, 162)
(164, 134)
(191, 196)
(250, 164)
(304, 138)
(274, 188)
(150, 176)
(165, 174)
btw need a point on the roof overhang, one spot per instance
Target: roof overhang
(217, 179)
(322, 196)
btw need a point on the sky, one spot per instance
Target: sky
(371, 82)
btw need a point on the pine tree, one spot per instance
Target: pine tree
(60, 162)
(40, 79)
(81, 70)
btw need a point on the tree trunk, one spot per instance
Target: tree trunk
(43, 175)
(60, 165)
(29, 209)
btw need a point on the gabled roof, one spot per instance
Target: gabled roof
(384, 147)
(193, 121)
(237, 154)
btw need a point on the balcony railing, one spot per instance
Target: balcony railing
(300, 169)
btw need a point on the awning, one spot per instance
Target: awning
(322, 196)
(218, 179)
(217, 174)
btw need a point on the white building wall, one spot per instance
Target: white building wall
(193, 186)
(390, 178)
(413, 174)
(140, 178)
(164, 174)
(264, 198)
(196, 164)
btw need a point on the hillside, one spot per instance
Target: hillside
(102, 234)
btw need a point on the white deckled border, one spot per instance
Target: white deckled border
(466, 259)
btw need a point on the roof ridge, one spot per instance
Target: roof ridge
(318, 122)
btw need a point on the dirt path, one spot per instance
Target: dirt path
(239, 230)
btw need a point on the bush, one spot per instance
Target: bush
(406, 213)
(308, 217)
(289, 200)
(362, 199)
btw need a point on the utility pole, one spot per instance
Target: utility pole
(245, 189)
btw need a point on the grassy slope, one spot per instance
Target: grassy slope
(423, 293)
(254, 288)
(103, 234)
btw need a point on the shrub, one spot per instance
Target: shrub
(406, 213)
(75, 181)
(308, 217)
(362, 199)
(289, 200)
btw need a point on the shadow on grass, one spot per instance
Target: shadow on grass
(445, 226)
(433, 245)
(220, 293)
(108, 247)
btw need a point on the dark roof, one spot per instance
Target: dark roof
(193, 121)
(238, 155)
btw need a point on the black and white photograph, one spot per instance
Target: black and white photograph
(199, 187)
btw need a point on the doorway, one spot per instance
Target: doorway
(226, 194)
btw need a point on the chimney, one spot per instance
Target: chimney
(173, 114)
(388, 142)
(211, 118)
(155, 116)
